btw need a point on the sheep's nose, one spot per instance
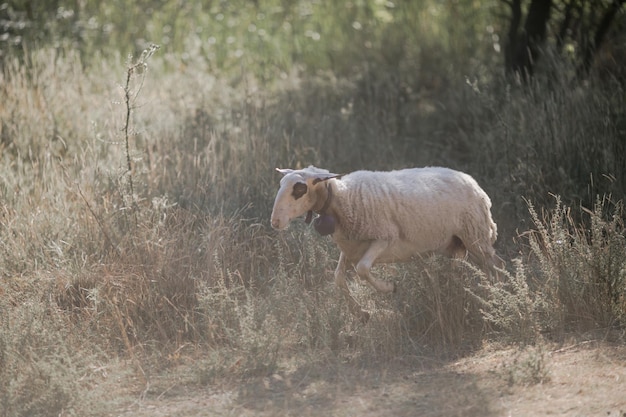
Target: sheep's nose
(275, 223)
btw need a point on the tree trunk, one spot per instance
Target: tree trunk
(524, 48)
(565, 25)
(512, 38)
(601, 31)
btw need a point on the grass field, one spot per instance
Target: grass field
(137, 263)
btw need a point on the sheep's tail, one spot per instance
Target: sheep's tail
(493, 227)
(493, 236)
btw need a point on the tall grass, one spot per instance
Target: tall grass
(555, 139)
(196, 267)
(46, 366)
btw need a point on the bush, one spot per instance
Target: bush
(573, 279)
(582, 268)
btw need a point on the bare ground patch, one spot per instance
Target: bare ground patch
(584, 379)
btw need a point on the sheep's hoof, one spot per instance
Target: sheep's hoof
(395, 288)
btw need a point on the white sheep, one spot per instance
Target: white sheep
(381, 217)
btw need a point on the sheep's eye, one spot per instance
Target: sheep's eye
(299, 189)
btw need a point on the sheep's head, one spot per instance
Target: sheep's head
(297, 194)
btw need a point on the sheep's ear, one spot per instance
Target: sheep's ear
(284, 171)
(320, 179)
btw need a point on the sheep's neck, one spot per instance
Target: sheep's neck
(329, 198)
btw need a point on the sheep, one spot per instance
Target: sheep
(390, 216)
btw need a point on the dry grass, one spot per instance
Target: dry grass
(184, 265)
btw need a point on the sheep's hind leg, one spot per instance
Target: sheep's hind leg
(455, 249)
(363, 267)
(340, 281)
(485, 256)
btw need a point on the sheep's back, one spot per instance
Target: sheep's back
(419, 204)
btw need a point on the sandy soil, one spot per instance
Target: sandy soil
(581, 379)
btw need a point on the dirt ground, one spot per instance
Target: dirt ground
(580, 379)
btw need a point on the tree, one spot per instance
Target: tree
(523, 47)
(581, 25)
(600, 34)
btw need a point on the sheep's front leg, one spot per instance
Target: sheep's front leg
(365, 264)
(340, 281)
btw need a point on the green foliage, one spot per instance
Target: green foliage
(268, 38)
